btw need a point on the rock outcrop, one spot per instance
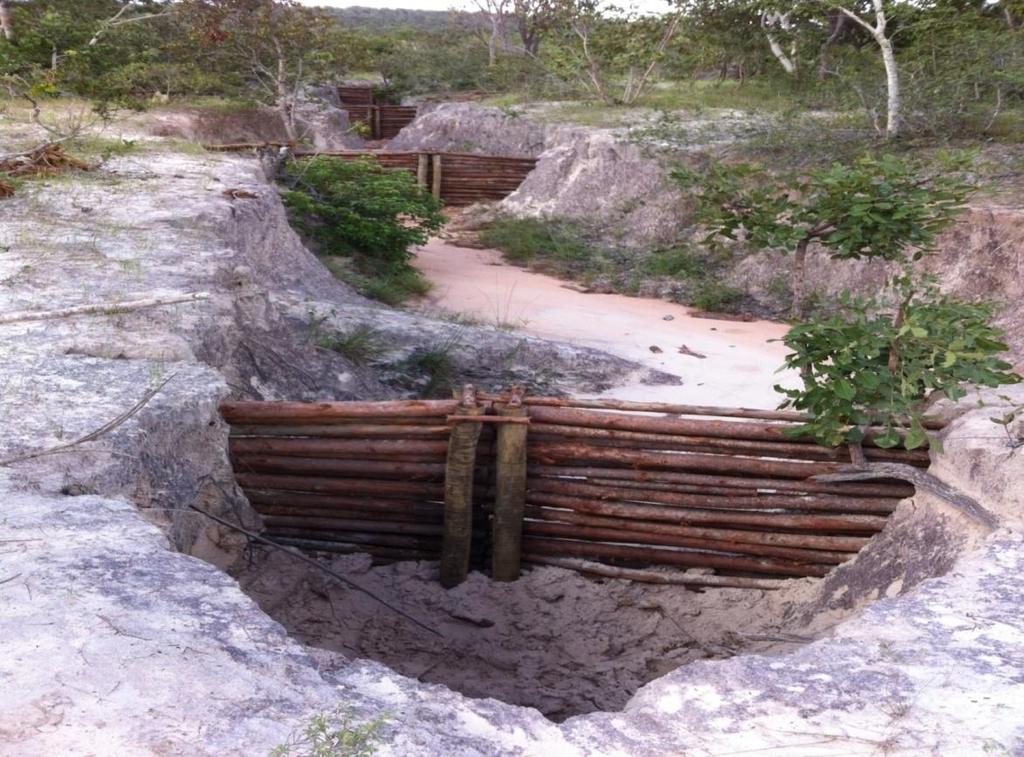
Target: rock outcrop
(114, 643)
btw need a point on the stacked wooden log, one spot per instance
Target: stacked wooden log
(733, 494)
(345, 476)
(466, 178)
(355, 94)
(392, 119)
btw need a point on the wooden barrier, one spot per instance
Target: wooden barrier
(726, 490)
(457, 178)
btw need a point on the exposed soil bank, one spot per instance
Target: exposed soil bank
(557, 641)
(740, 361)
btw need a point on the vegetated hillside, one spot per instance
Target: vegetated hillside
(380, 19)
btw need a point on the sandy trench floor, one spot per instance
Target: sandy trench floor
(740, 363)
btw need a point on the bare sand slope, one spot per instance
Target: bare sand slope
(739, 364)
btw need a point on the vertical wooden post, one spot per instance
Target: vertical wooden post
(422, 167)
(510, 490)
(436, 186)
(375, 110)
(458, 492)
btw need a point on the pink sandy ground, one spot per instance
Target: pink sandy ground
(739, 370)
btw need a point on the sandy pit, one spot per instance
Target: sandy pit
(740, 359)
(554, 640)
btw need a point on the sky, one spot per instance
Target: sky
(441, 5)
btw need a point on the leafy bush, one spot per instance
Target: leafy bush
(861, 367)
(368, 214)
(875, 207)
(334, 735)
(524, 240)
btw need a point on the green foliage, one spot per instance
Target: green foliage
(436, 364)
(876, 207)
(864, 367)
(526, 240)
(360, 346)
(333, 735)
(366, 213)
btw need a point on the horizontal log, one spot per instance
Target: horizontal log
(826, 524)
(345, 486)
(294, 413)
(352, 448)
(372, 469)
(641, 440)
(555, 452)
(848, 544)
(589, 533)
(670, 578)
(429, 543)
(275, 522)
(678, 499)
(355, 513)
(533, 545)
(343, 430)
(264, 498)
(383, 553)
(900, 490)
(729, 429)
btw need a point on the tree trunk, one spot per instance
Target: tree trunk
(799, 278)
(892, 85)
(6, 22)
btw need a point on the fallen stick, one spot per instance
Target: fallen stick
(922, 480)
(107, 308)
(92, 435)
(319, 566)
(676, 578)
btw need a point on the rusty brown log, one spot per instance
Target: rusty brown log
(780, 449)
(553, 453)
(273, 497)
(728, 429)
(671, 578)
(589, 533)
(635, 493)
(299, 413)
(274, 522)
(827, 524)
(397, 515)
(358, 431)
(351, 448)
(668, 408)
(384, 553)
(375, 469)
(900, 490)
(406, 541)
(344, 486)
(534, 545)
(848, 544)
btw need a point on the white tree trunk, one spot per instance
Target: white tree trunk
(6, 22)
(894, 103)
(771, 21)
(892, 78)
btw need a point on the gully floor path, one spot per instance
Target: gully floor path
(739, 362)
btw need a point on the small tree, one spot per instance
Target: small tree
(875, 208)
(863, 366)
(362, 211)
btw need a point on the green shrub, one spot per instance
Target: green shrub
(525, 240)
(367, 214)
(862, 367)
(714, 296)
(333, 735)
(360, 346)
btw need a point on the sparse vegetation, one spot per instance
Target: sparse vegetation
(360, 346)
(336, 734)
